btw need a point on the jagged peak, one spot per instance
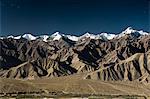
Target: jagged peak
(128, 30)
(56, 33)
(132, 31)
(56, 36)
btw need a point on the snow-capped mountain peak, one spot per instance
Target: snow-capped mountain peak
(56, 36)
(89, 35)
(104, 36)
(129, 30)
(107, 36)
(56, 33)
(10, 36)
(14, 37)
(132, 31)
(29, 37)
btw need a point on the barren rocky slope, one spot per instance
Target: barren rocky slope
(124, 58)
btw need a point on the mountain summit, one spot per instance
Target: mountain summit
(132, 31)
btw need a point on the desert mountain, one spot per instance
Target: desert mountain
(104, 56)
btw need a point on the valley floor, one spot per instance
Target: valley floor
(72, 86)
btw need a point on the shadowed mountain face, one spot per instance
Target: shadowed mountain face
(124, 58)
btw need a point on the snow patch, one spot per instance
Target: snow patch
(10, 36)
(44, 37)
(107, 36)
(17, 37)
(73, 38)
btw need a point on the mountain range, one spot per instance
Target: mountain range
(107, 57)
(58, 35)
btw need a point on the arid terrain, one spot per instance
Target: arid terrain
(73, 86)
(69, 66)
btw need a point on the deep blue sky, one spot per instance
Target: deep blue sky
(73, 16)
